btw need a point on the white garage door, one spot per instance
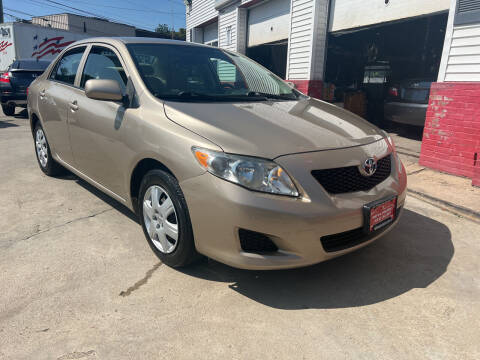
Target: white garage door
(268, 22)
(210, 33)
(348, 14)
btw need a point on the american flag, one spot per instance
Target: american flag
(49, 46)
(4, 45)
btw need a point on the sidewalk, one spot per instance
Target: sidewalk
(452, 193)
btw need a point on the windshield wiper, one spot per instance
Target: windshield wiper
(195, 96)
(272, 96)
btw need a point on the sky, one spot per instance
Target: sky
(143, 14)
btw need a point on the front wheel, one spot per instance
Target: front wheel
(8, 109)
(165, 219)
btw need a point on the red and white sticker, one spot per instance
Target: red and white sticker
(380, 214)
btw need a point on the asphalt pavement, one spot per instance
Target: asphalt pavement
(79, 281)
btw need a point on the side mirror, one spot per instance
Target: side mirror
(103, 89)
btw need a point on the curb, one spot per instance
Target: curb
(451, 207)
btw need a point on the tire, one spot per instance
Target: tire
(42, 150)
(159, 220)
(8, 110)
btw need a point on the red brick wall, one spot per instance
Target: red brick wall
(452, 128)
(313, 88)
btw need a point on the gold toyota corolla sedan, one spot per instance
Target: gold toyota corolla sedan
(215, 154)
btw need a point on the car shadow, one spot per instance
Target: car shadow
(6, 124)
(102, 196)
(22, 114)
(413, 255)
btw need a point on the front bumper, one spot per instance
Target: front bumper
(218, 209)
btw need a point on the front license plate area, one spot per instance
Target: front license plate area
(379, 214)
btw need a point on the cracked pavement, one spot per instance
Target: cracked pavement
(79, 281)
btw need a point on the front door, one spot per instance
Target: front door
(97, 127)
(54, 97)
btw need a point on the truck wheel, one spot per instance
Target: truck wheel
(8, 109)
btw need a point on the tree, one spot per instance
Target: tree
(168, 33)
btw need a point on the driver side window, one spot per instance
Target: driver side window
(103, 63)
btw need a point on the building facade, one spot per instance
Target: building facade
(290, 36)
(451, 139)
(84, 24)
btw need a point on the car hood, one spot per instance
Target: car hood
(270, 129)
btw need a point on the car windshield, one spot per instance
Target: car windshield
(197, 73)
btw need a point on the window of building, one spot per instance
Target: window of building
(229, 35)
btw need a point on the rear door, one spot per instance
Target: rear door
(55, 97)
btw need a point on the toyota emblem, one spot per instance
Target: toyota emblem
(369, 167)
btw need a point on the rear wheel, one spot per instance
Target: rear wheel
(8, 109)
(165, 219)
(44, 157)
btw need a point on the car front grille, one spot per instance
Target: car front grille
(349, 179)
(351, 238)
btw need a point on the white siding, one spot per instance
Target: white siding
(201, 12)
(320, 36)
(300, 40)
(461, 51)
(228, 18)
(464, 57)
(347, 14)
(242, 30)
(266, 22)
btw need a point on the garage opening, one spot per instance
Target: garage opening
(267, 39)
(273, 56)
(368, 67)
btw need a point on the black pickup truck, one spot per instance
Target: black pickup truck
(15, 81)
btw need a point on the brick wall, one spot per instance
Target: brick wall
(313, 88)
(451, 137)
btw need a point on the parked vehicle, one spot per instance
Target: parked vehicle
(216, 155)
(407, 102)
(27, 41)
(15, 81)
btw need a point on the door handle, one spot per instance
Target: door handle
(74, 105)
(42, 94)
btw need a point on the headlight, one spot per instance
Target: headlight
(252, 173)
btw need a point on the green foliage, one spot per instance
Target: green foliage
(166, 32)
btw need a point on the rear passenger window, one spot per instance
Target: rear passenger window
(66, 69)
(103, 63)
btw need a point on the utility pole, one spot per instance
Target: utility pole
(171, 13)
(1, 11)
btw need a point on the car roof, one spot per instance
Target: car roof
(137, 40)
